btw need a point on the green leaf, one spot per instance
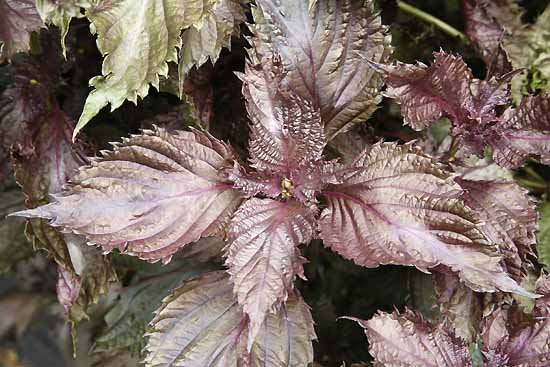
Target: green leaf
(205, 41)
(127, 321)
(137, 40)
(60, 13)
(544, 235)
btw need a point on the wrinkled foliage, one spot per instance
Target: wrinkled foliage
(186, 250)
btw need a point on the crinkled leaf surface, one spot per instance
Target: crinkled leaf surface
(137, 39)
(18, 19)
(286, 132)
(127, 320)
(447, 89)
(524, 133)
(427, 93)
(204, 41)
(326, 48)
(509, 219)
(155, 193)
(406, 340)
(401, 207)
(462, 306)
(201, 324)
(543, 237)
(263, 256)
(505, 343)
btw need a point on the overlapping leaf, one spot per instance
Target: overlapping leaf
(326, 48)
(509, 219)
(400, 207)
(406, 340)
(286, 129)
(201, 324)
(127, 320)
(447, 89)
(18, 19)
(205, 41)
(155, 193)
(60, 14)
(137, 39)
(524, 133)
(263, 255)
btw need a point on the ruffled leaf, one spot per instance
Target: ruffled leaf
(326, 48)
(507, 344)
(155, 193)
(428, 93)
(201, 324)
(509, 219)
(524, 133)
(486, 33)
(400, 207)
(137, 39)
(286, 132)
(203, 42)
(60, 14)
(18, 19)
(263, 255)
(406, 340)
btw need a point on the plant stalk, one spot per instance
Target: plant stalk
(428, 18)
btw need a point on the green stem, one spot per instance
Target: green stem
(532, 184)
(432, 20)
(534, 174)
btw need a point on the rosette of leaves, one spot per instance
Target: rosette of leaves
(508, 337)
(447, 88)
(157, 192)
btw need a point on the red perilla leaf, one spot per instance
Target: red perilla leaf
(406, 340)
(401, 207)
(151, 195)
(263, 256)
(326, 49)
(447, 89)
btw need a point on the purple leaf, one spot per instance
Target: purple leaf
(508, 343)
(201, 325)
(401, 207)
(428, 93)
(326, 48)
(509, 219)
(263, 256)
(524, 133)
(402, 340)
(68, 287)
(18, 19)
(486, 34)
(286, 132)
(155, 193)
